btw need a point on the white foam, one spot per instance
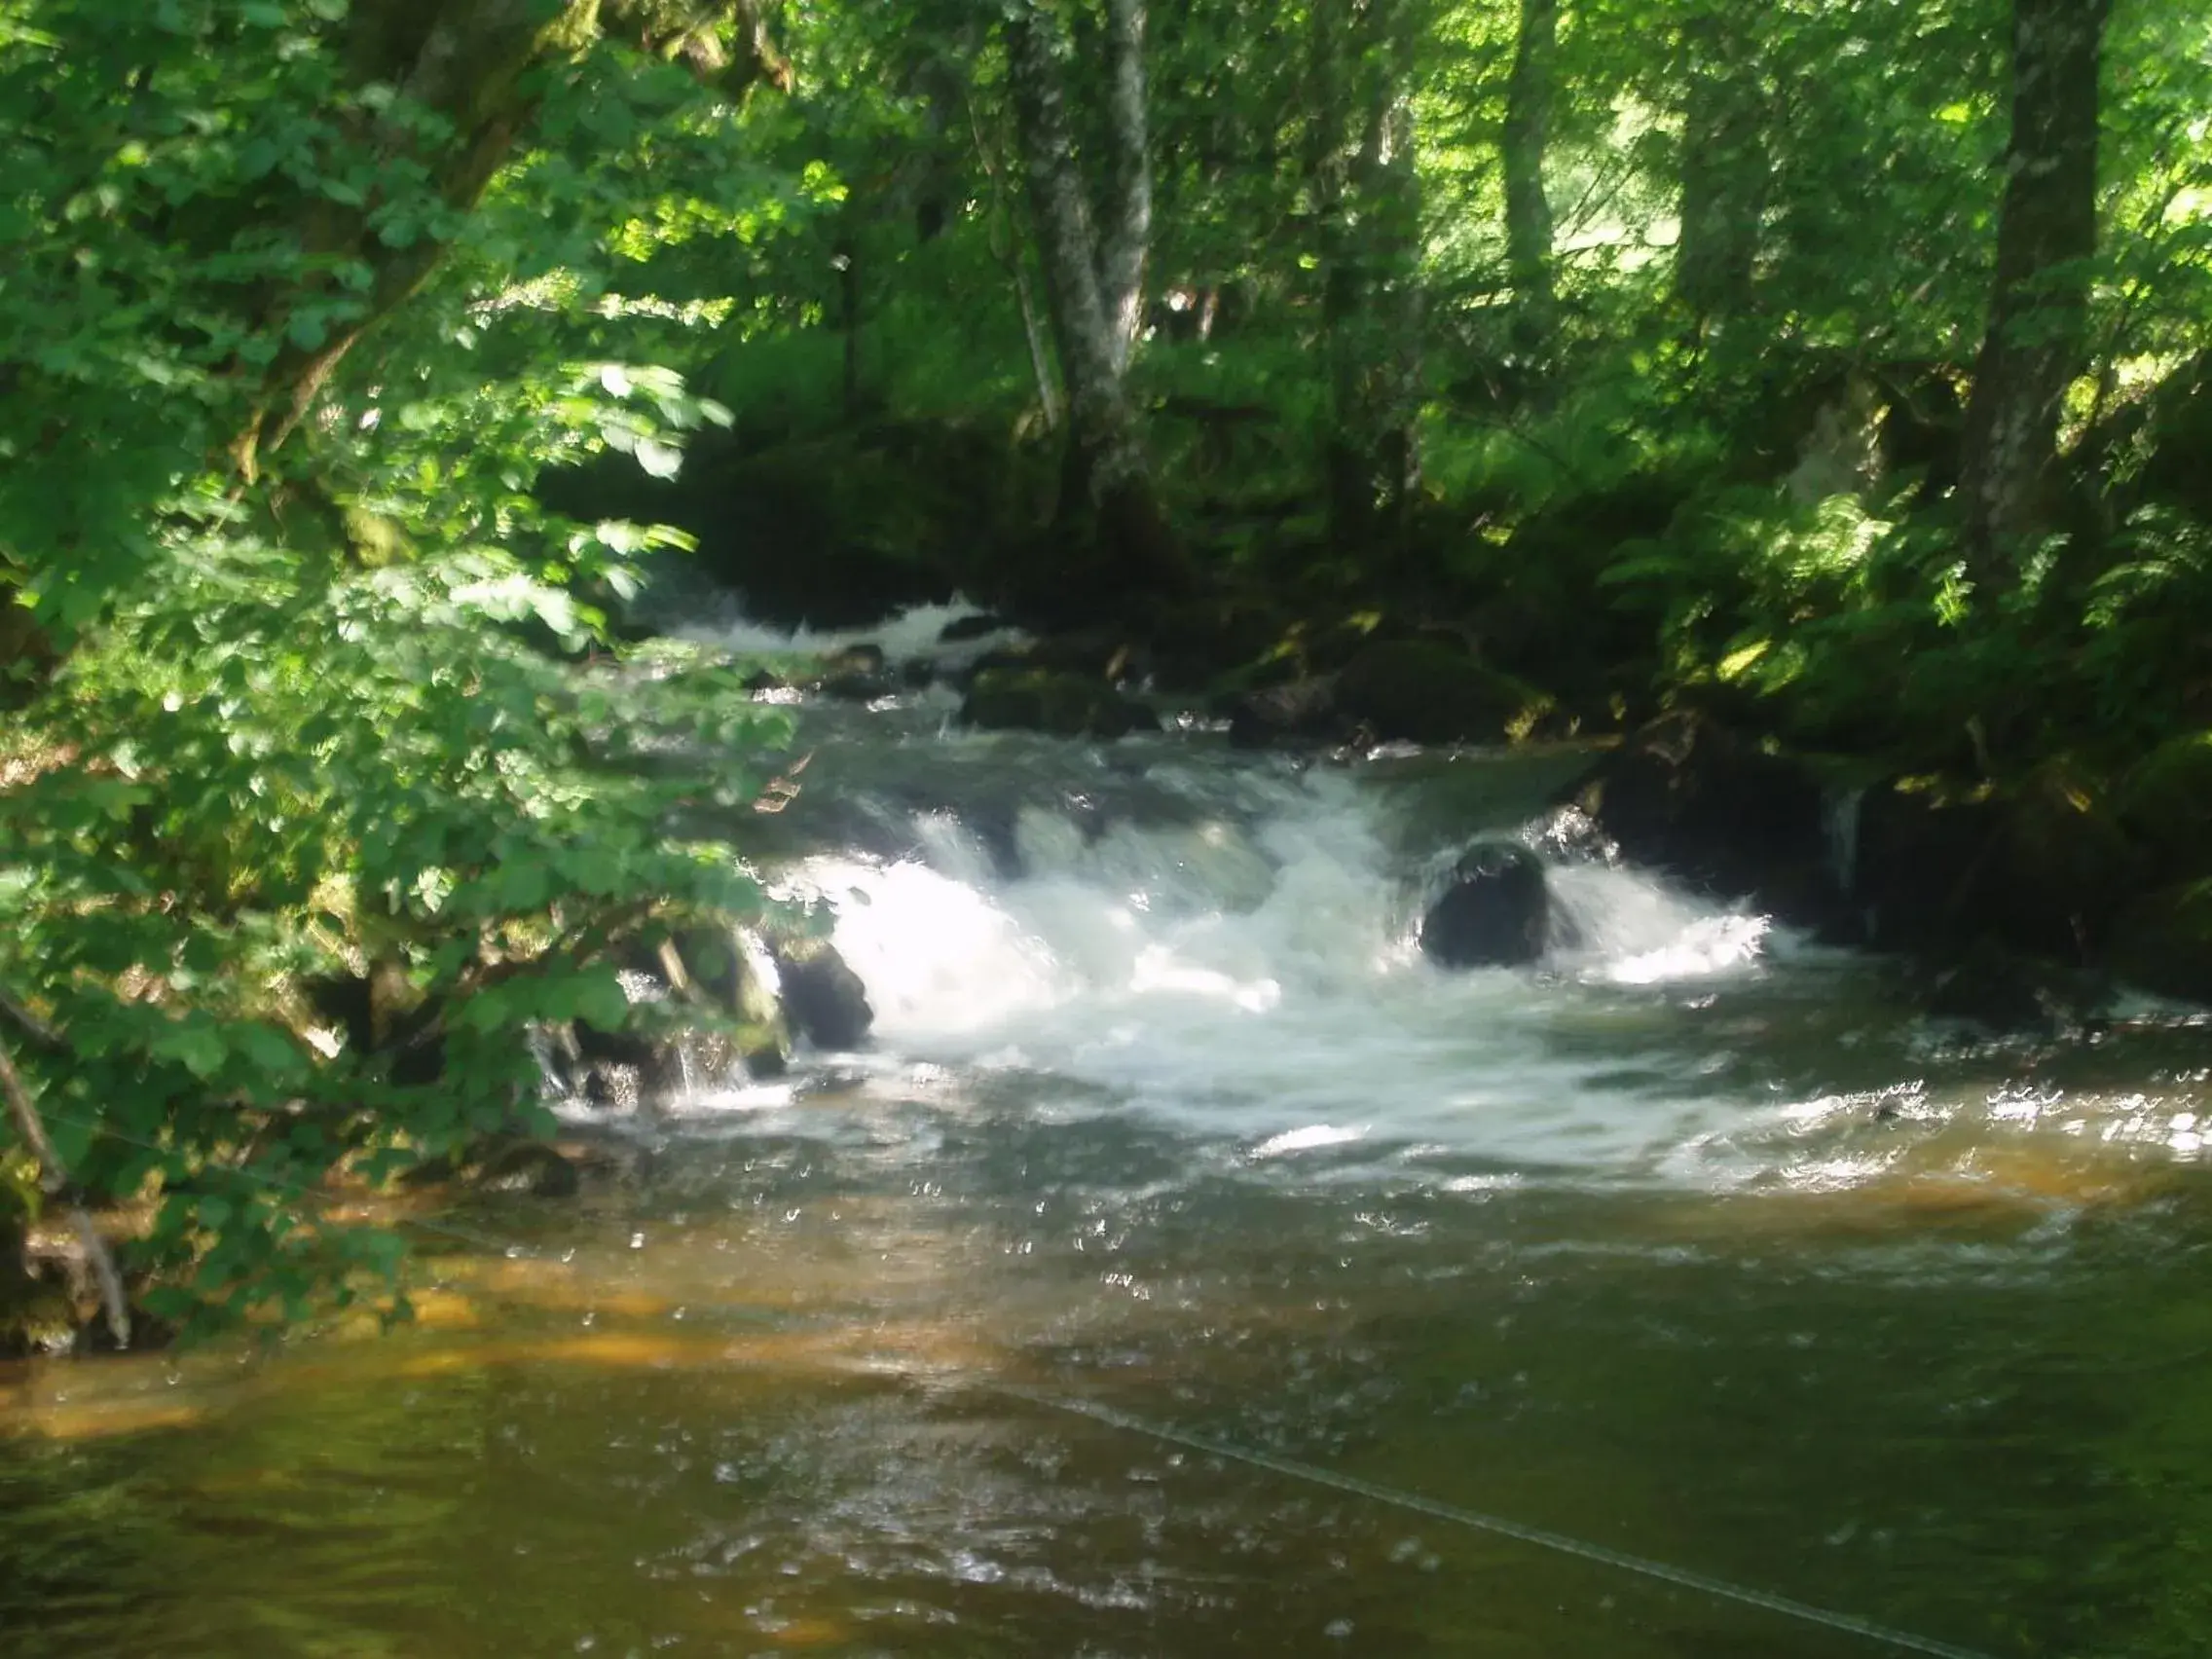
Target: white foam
(1632, 929)
(1308, 1139)
(1257, 978)
(912, 636)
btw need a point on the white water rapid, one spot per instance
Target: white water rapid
(1161, 932)
(1255, 974)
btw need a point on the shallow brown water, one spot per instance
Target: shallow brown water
(755, 1408)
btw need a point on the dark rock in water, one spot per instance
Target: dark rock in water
(2043, 868)
(1066, 705)
(1300, 711)
(1192, 646)
(2062, 868)
(825, 1002)
(2002, 992)
(1423, 691)
(1689, 796)
(1108, 656)
(1916, 846)
(2164, 942)
(859, 687)
(964, 628)
(1495, 913)
(532, 1167)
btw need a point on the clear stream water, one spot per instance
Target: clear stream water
(1694, 1243)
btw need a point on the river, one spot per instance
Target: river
(1188, 1268)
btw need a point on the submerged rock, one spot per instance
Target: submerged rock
(529, 1168)
(1066, 705)
(976, 625)
(1496, 912)
(2000, 992)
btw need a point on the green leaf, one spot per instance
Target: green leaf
(600, 1000)
(195, 1044)
(268, 1051)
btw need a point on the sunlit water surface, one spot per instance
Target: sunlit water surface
(1692, 1243)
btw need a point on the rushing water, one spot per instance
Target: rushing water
(1692, 1244)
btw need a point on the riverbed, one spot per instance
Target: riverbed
(1190, 1268)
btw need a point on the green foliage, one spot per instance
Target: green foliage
(297, 312)
(302, 745)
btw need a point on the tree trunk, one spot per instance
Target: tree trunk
(2047, 235)
(1106, 472)
(1126, 210)
(1368, 203)
(1725, 169)
(1528, 211)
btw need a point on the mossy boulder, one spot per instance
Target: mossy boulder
(1695, 798)
(1423, 691)
(2061, 868)
(2165, 804)
(1066, 705)
(1299, 710)
(2163, 942)
(2042, 865)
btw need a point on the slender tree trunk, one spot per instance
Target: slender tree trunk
(1126, 210)
(1368, 203)
(1106, 474)
(1039, 355)
(2047, 235)
(1012, 253)
(1725, 167)
(1528, 210)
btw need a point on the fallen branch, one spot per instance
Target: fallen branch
(53, 1181)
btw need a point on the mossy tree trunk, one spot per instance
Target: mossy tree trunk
(2046, 237)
